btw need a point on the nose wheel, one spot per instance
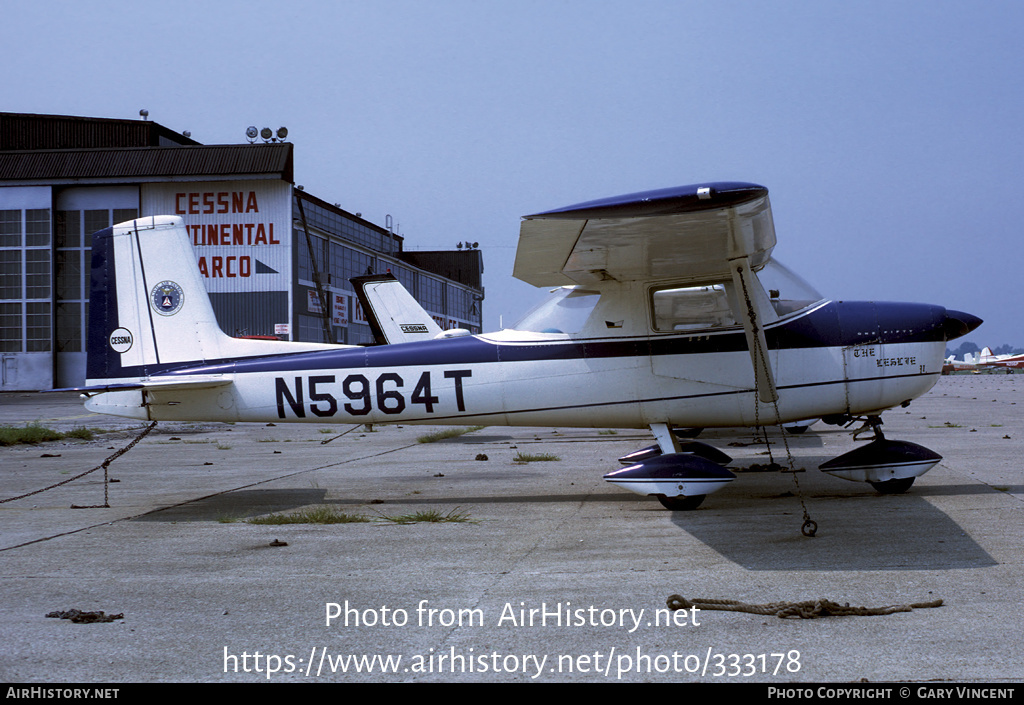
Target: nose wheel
(895, 486)
(681, 504)
(890, 467)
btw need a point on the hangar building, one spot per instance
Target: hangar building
(260, 241)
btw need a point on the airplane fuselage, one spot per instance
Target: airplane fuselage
(830, 358)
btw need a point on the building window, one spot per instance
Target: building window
(404, 275)
(10, 327)
(37, 274)
(431, 294)
(10, 274)
(306, 263)
(25, 260)
(37, 227)
(459, 302)
(10, 228)
(37, 326)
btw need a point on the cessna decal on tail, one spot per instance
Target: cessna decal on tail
(667, 311)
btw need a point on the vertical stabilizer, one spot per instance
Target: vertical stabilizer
(148, 306)
(149, 311)
(393, 314)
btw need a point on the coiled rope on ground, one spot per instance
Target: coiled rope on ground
(808, 609)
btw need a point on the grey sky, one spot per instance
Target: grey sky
(889, 133)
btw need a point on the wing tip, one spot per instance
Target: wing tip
(678, 199)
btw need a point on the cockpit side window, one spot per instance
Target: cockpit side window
(691, 308)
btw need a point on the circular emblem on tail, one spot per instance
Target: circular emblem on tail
(167, 298)
(120, 340)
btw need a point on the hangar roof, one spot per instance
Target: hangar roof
(177, 163)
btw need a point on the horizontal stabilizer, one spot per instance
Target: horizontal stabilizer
(162, 384)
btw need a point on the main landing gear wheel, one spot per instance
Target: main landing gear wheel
(681, 504)
(896, 486)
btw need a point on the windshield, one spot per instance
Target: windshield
(786, 289)
(564, 311)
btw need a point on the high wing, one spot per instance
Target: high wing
(687, 232)
(718, 231)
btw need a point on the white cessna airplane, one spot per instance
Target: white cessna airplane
(666, 311)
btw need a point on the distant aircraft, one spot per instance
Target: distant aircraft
(1011, 362)
(953, 365)
(666, 311)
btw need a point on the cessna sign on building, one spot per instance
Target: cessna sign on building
(241, 237)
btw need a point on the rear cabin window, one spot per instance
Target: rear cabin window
(691, 308)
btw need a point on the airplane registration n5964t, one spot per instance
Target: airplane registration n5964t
(666, 311)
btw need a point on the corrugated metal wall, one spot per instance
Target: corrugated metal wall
(463, 266)
(251, 313)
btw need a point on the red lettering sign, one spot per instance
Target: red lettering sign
(218, 267)
(209, 202)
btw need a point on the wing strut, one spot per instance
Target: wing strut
(753, 326)
(667, 440)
